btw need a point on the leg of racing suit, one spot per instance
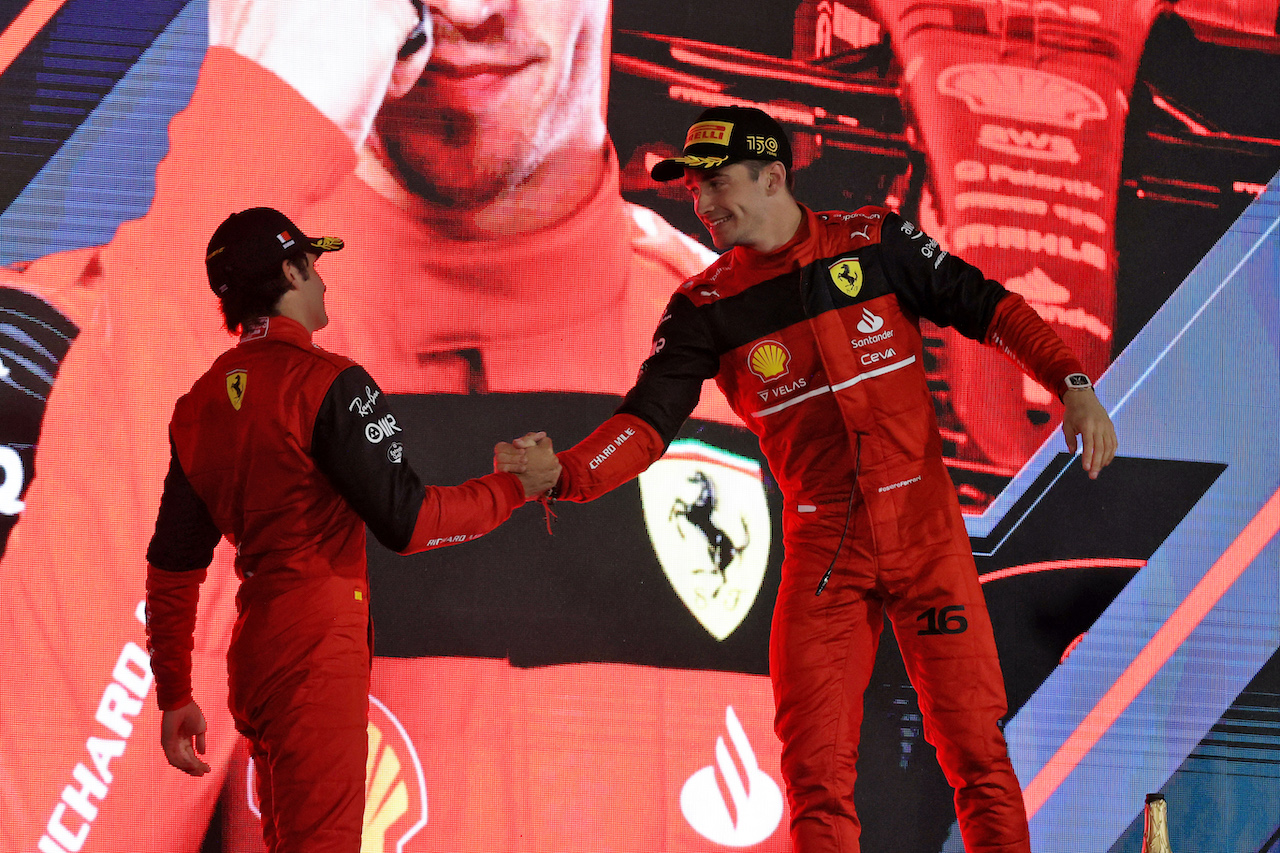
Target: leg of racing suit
(942, 626)
(306, 716)
(822, 651)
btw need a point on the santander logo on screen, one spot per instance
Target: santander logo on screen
(756, 807)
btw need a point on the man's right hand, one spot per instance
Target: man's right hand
(531, 458)
(182, 736)
(341, 55)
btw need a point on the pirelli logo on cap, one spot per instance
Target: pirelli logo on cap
(714, 132)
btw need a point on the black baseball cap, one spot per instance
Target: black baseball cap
(249, 246)
(724, 135)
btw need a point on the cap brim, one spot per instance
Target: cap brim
(673, 167)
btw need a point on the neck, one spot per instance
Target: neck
(782, 227)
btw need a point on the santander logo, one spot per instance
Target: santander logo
(870, 322)
(755, 810)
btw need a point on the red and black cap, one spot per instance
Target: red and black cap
(724, 135)
(249, 246)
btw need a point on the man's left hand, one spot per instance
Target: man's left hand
(1085, 416)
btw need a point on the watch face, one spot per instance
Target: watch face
(1078, 380)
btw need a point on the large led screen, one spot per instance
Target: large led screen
(599, 680)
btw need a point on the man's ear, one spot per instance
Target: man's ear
(292, 273)
(776, 176)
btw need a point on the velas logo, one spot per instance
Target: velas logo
(395, 805)
(237, 382)
(846, 274)
(769, 360)
(754, 810)
(714, 132)
(285, 238)
(708, 521)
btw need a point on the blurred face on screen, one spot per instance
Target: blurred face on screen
(510, 83)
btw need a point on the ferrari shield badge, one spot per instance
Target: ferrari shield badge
(847, 276)
(237, 380)
(708, 520)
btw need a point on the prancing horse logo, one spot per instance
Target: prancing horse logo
(720, 547)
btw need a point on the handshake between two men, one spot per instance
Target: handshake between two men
(532, 459)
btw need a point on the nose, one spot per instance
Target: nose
(701, 205)
(473, 15)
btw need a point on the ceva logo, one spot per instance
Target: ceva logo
(756, 808)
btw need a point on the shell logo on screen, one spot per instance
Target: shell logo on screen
(1022, 94)
(757, 800)
(395, 808)
(769, 360)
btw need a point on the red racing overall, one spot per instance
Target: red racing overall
(288, 451)
(817, 347)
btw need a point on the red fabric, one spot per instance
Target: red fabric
(823, 650)
(453, 514)
(844, 406)
(1019, 332)
(617, 451)
(172, 600)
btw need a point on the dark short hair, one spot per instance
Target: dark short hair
(257, 297)
(755, 167)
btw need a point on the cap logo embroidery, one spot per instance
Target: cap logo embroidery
(285, 238)
(695, 162)
(715, 132)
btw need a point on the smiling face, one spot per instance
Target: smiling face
(508, 83)
(733, 204)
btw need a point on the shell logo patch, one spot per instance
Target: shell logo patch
(237, 381)
(846, 274)
(769, 360)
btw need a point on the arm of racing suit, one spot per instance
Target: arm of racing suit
(665, 394)
(384, 490)
(178, 559)
(950, 292)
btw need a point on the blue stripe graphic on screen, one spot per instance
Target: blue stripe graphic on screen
(105, 173)
(1199, 383)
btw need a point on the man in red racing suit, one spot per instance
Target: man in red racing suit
(810, 327)
(288, 451)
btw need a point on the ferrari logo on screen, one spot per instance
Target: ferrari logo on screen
(847, 275)
(237, 381)
(708, 521)
(715, 132)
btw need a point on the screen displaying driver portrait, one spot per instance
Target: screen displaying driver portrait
(596, 676)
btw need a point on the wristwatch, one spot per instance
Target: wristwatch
(1076, 381)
